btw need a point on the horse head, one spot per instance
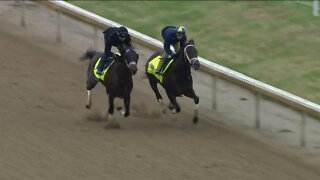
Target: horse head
(131, 58)
(191, 54)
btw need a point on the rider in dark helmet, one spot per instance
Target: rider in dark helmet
(175, 36)
(117, 37)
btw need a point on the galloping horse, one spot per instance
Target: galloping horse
(176, 78)
(117, 78)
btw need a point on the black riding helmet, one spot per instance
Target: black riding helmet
(122, 31)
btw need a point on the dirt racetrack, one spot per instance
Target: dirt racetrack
(46, 132)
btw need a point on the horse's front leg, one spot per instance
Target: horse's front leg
(173, 101)
(111, 106)
(112, 124)
(126, 101)
(126, 111)
(191, 94)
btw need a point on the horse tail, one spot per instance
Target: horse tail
(89, 54)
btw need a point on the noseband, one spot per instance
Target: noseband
(131, 63)
(192, 60)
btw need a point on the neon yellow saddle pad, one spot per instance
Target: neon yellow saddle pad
(153, 65)
(102, 76)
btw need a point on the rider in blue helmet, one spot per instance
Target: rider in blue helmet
(117, 37)
(175, 36)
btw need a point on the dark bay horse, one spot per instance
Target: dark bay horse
(118, 79)
(176, 79)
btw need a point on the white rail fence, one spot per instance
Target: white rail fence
(260, 89)
(314, 5)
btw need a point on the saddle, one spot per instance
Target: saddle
(105, 69)
(153, 65)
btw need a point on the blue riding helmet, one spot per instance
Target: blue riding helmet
(122, 31)
(180, 30)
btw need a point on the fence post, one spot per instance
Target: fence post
(303, 129)
(22, 10)
(58, 26)
(95, 37)
(257, 110)
(214, 93)
(315, 7)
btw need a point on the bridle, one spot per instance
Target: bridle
(192, 60)
(131, 63)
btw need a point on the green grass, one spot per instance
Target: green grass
(277, 42)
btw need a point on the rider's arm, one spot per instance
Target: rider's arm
(121, 46)
(107, 49)
(166, 46)
(183, 41)
(128, 41)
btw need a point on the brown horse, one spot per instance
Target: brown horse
(176, 79)
(118, 79)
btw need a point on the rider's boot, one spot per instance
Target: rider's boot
(160, 65)
(101, 65)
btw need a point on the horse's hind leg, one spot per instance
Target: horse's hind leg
(89, 100)
(153, 83)
(91, 83)
(192, 94)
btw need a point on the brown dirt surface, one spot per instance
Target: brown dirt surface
(46, 132)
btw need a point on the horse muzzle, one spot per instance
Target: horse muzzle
(133, 68)
(196, 65)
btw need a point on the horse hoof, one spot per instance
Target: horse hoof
(195, 120)
(126, 115)
(171, 106)
(88, 106)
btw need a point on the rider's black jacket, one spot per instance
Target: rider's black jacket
(111, 39)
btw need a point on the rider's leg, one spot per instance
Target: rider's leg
(161, 62)
(107, 53)
(101, 64)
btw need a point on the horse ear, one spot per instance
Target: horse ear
(191, 41)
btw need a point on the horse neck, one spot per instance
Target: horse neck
(121, 63)
(181, 70)
(182, 63)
